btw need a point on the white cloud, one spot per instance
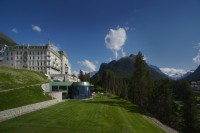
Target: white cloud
(197, 45)
(115, 40)
(88, 65)
(145, 58)
(36, 28)
(123, 53)
(76, 73)
(172, 72)
(14, 30)
(196, 59)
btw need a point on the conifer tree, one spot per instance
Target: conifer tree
(141, 82)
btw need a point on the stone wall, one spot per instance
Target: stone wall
(12, 113)
(46, 87)
(56, 95)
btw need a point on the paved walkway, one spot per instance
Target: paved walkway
(15, 112)
(161, 125)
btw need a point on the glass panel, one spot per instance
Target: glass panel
(79, 92)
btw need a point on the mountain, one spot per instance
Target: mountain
(92, 73)
(195, 76)
(187, 74)
(175, 73)
(4, 39)
(124, 68)
(156, 72)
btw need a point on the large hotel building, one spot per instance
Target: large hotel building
(44, 58)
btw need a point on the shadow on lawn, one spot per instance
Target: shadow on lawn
(117, 102)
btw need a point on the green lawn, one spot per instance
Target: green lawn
(20, 97)
(100, 115)
(13, 78)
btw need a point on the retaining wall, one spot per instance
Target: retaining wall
(45, 87)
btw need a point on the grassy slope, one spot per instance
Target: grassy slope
(13, 78)
(20, 97)
(4, 39)
(101, 115)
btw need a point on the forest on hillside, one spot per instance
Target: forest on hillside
(172, 102)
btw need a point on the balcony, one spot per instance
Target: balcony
(55, 68)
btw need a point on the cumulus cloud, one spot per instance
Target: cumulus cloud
(196, 59)
(172, 72)
(36, 28)
(88, 65)
(14, 30)
(145, 58)
(115, 40)
(123, 53)
(76, 73)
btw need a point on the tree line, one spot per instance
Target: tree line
(172, 102)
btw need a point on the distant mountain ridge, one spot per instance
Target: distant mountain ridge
(4, 39)
(195, 76)
(124, 68)
(176, 74)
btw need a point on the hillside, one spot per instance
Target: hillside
(23, 96)
(195, 76)
(13, 78)
(103, 114)
(124, 68)
(4, 39)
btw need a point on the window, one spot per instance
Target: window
(38, 57)
(11, 58)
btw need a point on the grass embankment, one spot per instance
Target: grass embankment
(13, 78)
(100, 115)
(23, 96)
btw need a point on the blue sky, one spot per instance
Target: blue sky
(166, 31)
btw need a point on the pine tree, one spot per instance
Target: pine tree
(141, 82)
(189, 111)
(80, 76)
